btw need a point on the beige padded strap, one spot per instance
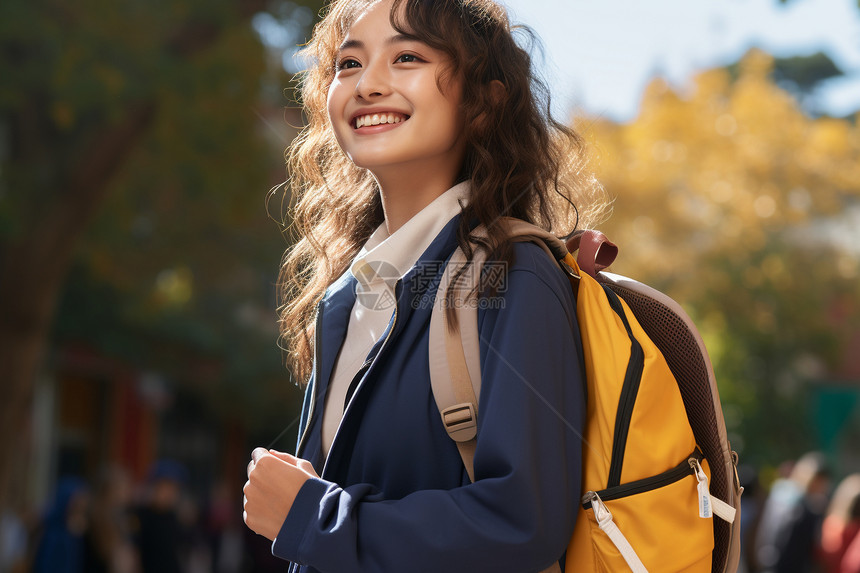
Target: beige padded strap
(455, 361)
(455, 373)
(454, 350)
(521, 231)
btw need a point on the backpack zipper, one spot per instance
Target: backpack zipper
(679, 472)
(629, 391)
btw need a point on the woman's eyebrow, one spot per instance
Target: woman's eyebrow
(395, 39)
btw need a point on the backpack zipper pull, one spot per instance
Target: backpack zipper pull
(709, 505)
(601, 512)
(609, 527)
(705, 510)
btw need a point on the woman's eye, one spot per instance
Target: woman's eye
(346, 65)
(408, 58)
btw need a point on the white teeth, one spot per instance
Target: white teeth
(377, 119)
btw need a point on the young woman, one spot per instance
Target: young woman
(425, 121)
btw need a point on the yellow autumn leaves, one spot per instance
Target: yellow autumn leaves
(747, 210)
(722, 167)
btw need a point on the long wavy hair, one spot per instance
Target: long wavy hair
(522, 163)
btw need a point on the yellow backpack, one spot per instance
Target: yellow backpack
(659, 466)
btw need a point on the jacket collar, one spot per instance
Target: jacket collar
(416, 288)
(340, 296)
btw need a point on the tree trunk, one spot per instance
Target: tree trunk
(33, 269)
(27, 300)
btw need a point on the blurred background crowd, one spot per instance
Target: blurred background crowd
(111, 524)
(804, 522)
(143, 218)
(801, 524)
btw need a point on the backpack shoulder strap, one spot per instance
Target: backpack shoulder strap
(455, 370)
(454, 350)
(455, 373)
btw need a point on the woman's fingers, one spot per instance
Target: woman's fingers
(259, 453)
(255, 457)
(289, 458)
(274, 479)
(306, 467)
(303, 465)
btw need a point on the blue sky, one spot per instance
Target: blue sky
(601, 53)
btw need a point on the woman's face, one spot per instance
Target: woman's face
(391, 104)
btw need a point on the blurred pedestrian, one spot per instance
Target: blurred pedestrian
(109, 547)
(13, 541)
(223, 530)
(61, 539)
(841, 526)
(751, 508)
(157, 527)
(851, 559)
(788, 533)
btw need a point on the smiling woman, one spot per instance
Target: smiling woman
(394, 115)
(424, 121)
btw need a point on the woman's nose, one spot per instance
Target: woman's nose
(374, 82)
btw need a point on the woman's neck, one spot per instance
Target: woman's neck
(405, 194)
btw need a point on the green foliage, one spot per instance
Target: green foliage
(177, 258)
(805, 72)
(770, 312)
(800, 76)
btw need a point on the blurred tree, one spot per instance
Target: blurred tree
(129, 141)
(804, 73)
(799, 75)
(735, 202)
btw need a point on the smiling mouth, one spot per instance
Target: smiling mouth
(379, 119)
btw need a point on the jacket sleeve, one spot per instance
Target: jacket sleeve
(519, 514)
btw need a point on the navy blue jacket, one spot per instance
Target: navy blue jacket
(393, 495)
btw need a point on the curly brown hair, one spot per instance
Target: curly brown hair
(522, 162)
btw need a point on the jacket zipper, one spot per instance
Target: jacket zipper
(351, 391)
(317, 371)
(353, 384)
(629, 391)
(679, 472)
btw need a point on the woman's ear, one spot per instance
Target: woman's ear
(496, 92)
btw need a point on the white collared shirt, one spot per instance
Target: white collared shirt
(381, 262)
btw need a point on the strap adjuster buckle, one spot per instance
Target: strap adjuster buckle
(461, 422)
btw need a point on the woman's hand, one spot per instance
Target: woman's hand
(274, 480)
